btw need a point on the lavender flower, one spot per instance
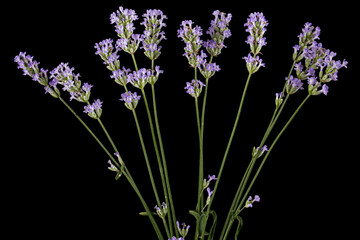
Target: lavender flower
(140, 78)
(105, 50)
(293, 85)
(31, 68)
(218, 31)
(130, 99)
(121, 77)
(184, 230)
(256, 24)
(161, 212)
(71, 83)
(208, 69)
(256, 153)
(112, 167)
(306, 38)
(155, 75)
(94, 110)
(278, 99)
(194, 88)
(191, 36)
(209, 195)
(253, 64)
(174, 238)
(250, 201)
(153, 34)
(123, 19)
(206, 183)
(129, 45)
(314, 86)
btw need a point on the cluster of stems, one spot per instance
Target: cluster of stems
(316, 58)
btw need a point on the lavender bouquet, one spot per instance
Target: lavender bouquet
(313, 68)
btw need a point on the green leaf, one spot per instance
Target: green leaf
(212, 230)
(239, 227)
(146, 214)
(195, 214)
(202, 224)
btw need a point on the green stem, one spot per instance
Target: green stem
(230, 141)
(126, 173)
(201, 159)
(271, 147)
(133, 58)
(237, 211)
(161, 170)
(146, 158)
(172, 215)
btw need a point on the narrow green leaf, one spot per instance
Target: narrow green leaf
(239, 227)
(212, 229)
(146, 214)
(202, 225)
(195, 214)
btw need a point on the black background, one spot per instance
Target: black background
(55, 180)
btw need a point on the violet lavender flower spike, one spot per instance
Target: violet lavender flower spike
(71, 83)
(218, 32)
(191, 37)
(129, 45)
(253, 64)
(140, 78)
(256, 24)
(293, 85)
(184, 230)
(208, 69)
(250, 201)
(30, 68)
(123, 20)
(161, 212)
(174, 238)
(152, 79)
(121, 76)
(306, 38)
(130, 99)
(94, 110)
(153, 34)
(194, 88)
(108, 54)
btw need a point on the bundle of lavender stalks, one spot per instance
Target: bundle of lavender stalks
(313, 69)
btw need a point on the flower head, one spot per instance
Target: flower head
(161, 212)
(250, 201)
(130, 99)
(140, 78)
(256, 26)
(129, 45)
(153, 21)
(121, 76)
(253, 64)
(256, 153)
(278, 99)
(218, 32)
(108, 54)
(191, 36)
(194, 88)
(31, 68)
(206, 183)
(208, 69)
(184, 230)
(174, 238)
(65, 76)
(123, 20)
(94, 110)
(293, 85)
(306, 38)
